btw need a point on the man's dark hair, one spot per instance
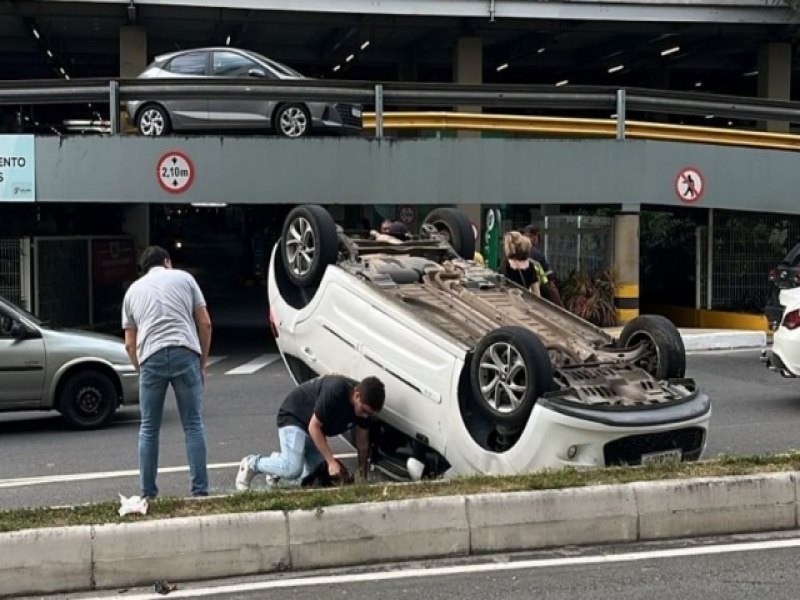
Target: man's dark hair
(153, 256)
(529, 229)
(372, 393)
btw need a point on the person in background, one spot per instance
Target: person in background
(393, 233)
(549, 289)
(168, 338)
(518, 267)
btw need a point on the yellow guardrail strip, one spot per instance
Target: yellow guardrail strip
(564, 126)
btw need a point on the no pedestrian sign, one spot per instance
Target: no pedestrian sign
(175, 172)
(689, 185)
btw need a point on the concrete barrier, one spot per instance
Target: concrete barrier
(46, 560)
(681, 508)
(527, 520)
(190, 548)
(357, 534)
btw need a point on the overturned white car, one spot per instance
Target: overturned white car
(481, 376)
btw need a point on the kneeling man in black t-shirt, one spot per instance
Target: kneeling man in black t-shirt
(312, 412)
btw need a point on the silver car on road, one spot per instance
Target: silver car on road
(83, 375)
(287, 118)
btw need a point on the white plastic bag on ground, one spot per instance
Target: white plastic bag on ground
(132, 505)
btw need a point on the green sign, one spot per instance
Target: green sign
(492, 221)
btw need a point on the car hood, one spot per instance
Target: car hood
(78, 343)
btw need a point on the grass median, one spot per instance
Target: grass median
(311, 499)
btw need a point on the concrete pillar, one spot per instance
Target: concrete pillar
(775, 78)
(136, 222)
(626, 265)
(468, 68)
(132, 51)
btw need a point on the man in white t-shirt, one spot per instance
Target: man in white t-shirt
(168, 338)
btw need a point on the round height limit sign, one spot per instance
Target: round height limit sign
(175, 172)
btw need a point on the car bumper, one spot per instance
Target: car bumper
(129, 383)
(337, 117)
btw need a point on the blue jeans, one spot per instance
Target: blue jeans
(179, 367)
(298, 457)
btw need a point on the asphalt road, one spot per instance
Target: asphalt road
(727, 568)
(754, 411)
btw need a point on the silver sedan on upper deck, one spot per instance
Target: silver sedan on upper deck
(83, 375)
(287, 118)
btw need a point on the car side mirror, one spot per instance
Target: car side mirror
(20, 331)
(256, 73)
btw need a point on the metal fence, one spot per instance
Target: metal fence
(61, 280)
(15, 271)
(577, 242)
(746, 247)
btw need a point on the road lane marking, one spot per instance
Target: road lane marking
(328, 580)
(254, 365)
(47, 479)
(212, 360)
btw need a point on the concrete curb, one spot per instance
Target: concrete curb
(130, 554)
(723, 340)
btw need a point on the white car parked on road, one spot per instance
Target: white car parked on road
(784, 356)
(481, 376)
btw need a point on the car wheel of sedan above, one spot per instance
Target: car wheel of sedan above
(666, 355)
(88, 400)
(153, 121)
(292, 120)
(509, 371)
(309, 244)
(455, 227)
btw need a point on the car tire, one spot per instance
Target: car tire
(152, 120)
(292, 120)
(88, 400)
(309, 244)
(455, 227)
(509, 370)
(667, 356)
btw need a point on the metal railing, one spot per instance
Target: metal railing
(619, 101)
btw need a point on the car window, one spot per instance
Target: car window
(231, 64)
(191, 63)
(5, 325)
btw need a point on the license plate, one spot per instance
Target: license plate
(356, 112)
(662, 458)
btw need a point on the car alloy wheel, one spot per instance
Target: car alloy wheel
(300, 246)
(503, 377)
(293, 122)
(152, 122)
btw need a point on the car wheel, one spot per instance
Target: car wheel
(292, 120)
(456, 229)
(666, 355)
(88, 400)
(308, 245)
(509, 371)
(153, 121)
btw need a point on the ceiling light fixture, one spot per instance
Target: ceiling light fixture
(364, 45)
(709, 116)
(62, 71)
(540, 50)
(698, 84)
(562, 82)
(669, 51)
(750, 74)
(49, 53)
(336, 68)
(35, 32)
(616, 68)
(502, 67)
(228, 40)
(349, 57)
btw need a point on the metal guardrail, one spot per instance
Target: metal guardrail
(620, 101)
(567, 127)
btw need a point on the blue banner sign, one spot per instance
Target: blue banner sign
(17, 168)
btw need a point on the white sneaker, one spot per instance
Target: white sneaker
(245, 474)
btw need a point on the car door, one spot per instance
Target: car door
(229, 113)
(188, 113)
(22, 366)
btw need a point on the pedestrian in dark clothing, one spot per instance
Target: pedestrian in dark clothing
(317, 409)
(550, 289)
